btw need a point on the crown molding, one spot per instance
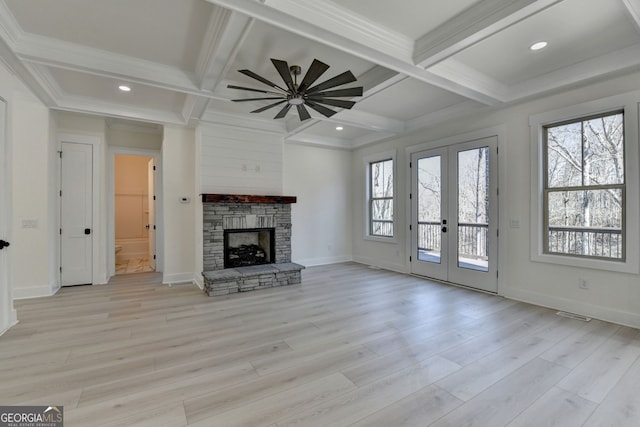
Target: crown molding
(633, 8)
(593, 69)
(219, 118)
(476, 23)
(10, 31)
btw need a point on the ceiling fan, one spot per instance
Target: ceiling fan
(303, 94)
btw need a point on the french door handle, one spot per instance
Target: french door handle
(4, 244)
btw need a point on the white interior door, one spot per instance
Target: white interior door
(152, 212)
(455, 214)
(76, 229)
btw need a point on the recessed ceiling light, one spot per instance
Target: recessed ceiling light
(339, 128)
(124, 88)
(538, 46)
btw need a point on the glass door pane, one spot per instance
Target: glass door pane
(429, 209)
(473, 209)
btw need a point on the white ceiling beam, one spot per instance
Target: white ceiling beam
(633, 8)
(470, 77)
(80, 104)
(340, 36)
(225, 34)
(74, 57)
(478, 22)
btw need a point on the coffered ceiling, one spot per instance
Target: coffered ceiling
(420, 61)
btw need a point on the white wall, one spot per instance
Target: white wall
(178, 180)
(321, 218)
(132, 139)
(612, 296)
(31, 149)
(240, 161)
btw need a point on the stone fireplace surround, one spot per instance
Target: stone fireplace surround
(225, 211)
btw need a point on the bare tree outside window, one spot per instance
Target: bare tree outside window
(381, 198)
(585, 187)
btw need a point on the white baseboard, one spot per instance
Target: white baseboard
(13, 323)
(578, 307)
(34, 291)
(170, 279)
(312, 262)
(199, 281)
(399, 268)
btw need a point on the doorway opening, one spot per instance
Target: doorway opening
(134, 209)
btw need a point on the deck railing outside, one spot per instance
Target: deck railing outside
(588, 241)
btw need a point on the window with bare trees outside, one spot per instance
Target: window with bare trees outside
(584, 187)
(381, 221)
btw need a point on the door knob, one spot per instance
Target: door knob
(146, 226)
(4, 244)
(444, 229)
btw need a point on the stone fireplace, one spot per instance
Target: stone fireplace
(247, 243)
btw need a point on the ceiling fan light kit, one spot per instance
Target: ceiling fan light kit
(303, 95)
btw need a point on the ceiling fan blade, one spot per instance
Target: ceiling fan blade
(315, 71)
(335, 102)
(327, 112)
(340, 79)
(353, 91)
(257, 99)
(260, 110)
(285, 73)
(252, 89)
(283, 112)
(302, 112)
(260, 79)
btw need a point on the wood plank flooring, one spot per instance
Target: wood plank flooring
(351, 346)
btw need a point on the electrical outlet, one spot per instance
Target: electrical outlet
(582, 283)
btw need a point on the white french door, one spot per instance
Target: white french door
(454, 214)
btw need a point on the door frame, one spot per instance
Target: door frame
(8, 315)
(111, 239)
(98, 261)
(498, 132)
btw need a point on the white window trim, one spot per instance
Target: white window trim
(385, 155)
(629, 103)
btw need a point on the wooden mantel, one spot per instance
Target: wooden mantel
(243, 198)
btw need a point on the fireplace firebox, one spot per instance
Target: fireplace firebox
(245, 247)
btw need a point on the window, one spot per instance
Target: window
(380, 197)
(584, 187)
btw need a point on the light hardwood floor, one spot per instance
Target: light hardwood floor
(351, 346)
